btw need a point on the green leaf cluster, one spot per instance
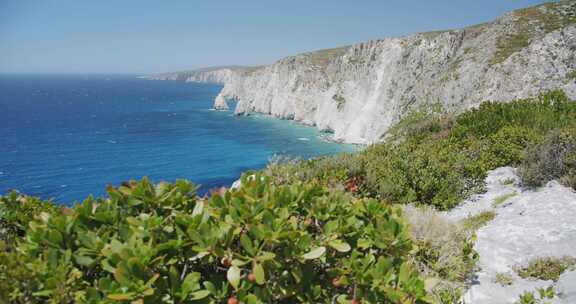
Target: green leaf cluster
(262, 243)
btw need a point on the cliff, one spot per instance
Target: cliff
(358, 92)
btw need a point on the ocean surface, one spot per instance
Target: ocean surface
(66, 137)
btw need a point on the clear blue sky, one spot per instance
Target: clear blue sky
(144, 36)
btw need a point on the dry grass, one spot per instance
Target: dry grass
(442, 245)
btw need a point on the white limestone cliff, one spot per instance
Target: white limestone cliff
(359, 92)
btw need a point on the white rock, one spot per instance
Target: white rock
(220, 103)
(567, 287)
(531, 224)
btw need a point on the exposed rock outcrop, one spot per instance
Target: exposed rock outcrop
(358, 92)
(529, 224)
(220, 103)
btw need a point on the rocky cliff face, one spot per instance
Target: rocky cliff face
(359, 92)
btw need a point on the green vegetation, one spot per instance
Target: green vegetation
(504, 279)
(571, 75)
(437, 159)
(480, 220)
(161, 243)
(326, 230)
(544, 294)
(502, 198)
(508, 181)
(554, 158)
(323, 57)
(548, 268)
(340, 101)
(532, 22)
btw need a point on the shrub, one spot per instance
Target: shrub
(261, 243)
(506, 147)
(546, 112)
(437, 159)
(548, 268)
(554, 158)
(416, 173)
(16, 211)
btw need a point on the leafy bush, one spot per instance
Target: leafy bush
(261, 243)
(555, 158)
(16, 211)
(541, 114)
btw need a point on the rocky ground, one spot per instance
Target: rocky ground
(528, 224)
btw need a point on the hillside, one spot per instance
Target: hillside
(429, 216)
(358, 92)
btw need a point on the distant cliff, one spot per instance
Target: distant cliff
(358, 92)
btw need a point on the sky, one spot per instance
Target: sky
(149, 36)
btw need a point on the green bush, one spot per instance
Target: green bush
(16, 211)
(410, 173)
(261, 243)
(554, 158)
(438, 159)
(541, 114)
(506, 146)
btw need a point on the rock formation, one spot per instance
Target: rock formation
(529, 224)
(358, 92)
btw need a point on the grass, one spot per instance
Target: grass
(323, 57)
(546, 268)
(502, 198)
(475, 222)
(504, 279)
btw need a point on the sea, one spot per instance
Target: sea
(65, 137)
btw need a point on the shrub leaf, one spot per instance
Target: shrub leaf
(315, 253)
(339, 245)
(259, 273)
(233, 276)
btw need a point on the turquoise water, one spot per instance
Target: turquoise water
(66, 137)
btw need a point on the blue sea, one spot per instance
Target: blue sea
(66, 137)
